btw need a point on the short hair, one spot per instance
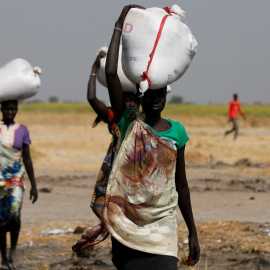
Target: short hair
(7, 102)
(134, 96)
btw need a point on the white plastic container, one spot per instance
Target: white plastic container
(18, 80)
(157, 47)
(125, 82)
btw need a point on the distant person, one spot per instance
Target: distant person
(233, 112)
(106, 115)
(14, 147)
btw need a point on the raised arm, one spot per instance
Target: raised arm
(113, 82)
(185, 206)
(27, 161)
(99, 107)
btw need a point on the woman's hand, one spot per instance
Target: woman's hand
(99, 107)
(33, 194)
(101, 55)
(194, 250)
(119, 23)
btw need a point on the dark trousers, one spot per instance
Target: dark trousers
(125, 258)
(234, 128)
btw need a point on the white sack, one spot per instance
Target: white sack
(174, 51)
(126, 84)
(18, 80)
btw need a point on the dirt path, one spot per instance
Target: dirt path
(224, 196)
(230, 203)
(225, 244)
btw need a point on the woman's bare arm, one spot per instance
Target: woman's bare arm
(27, 161)
(185, 206)
(99, 107)
(113, 82)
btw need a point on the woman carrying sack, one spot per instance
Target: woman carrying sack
(14, 148)
(147, 181)
(106, 115)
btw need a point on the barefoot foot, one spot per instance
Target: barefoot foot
(4, 266)
(13, 260)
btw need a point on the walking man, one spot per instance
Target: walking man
(233, 111)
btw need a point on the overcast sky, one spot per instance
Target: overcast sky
(63, 36)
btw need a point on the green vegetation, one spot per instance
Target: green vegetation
(56, 107)
(176, 100)
(195, 109)
(171, 109)
(216, 109)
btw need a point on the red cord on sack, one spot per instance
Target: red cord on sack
(145, 74)
(168, 10)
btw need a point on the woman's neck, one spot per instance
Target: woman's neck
(152, 119)
(156, 122)
(8, 123)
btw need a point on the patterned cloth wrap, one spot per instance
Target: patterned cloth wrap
(98, 197)
(141, 198)
(11, 183)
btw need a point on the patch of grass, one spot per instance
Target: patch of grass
(251, 249)
(59, 108)
(43, 267)
(195, 109)
(170, 109)
(215, 109)
(257, 110)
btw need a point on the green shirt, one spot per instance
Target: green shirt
(176, 136)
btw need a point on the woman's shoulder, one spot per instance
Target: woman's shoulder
(22, 127)
(178, 133)
(176, 125)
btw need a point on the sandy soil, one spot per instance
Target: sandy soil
(230, 197)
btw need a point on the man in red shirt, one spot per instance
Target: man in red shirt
(233, 111)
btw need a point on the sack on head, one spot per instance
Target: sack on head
(125, 82)
(18, 80)
(157, 47)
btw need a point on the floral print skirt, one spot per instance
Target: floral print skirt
(11, 184)
(10, 204)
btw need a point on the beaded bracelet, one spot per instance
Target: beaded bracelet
(117, 29)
